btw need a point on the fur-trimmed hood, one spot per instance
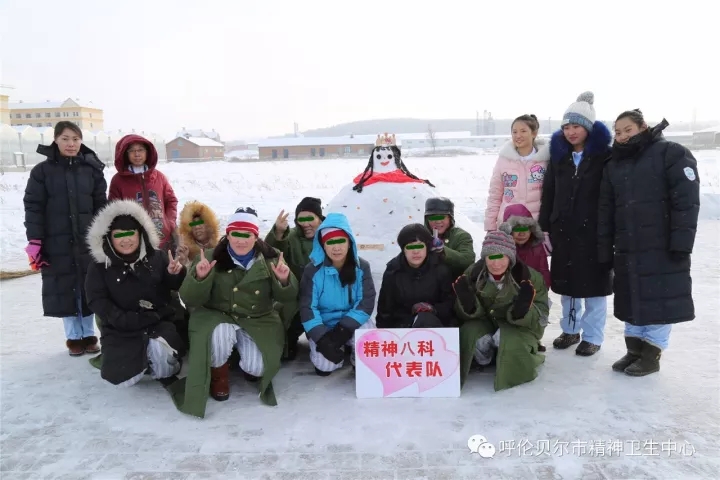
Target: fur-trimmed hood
(97, 236)
(598, 141)
(197, 209)
(518, 214)
(541, 145)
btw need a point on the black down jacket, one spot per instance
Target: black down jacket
(403, 286)
(132, 300)
(61, 198)
(569, 212)
(649, 206)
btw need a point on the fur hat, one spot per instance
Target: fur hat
(244, 219)
(120, 214)
(518, 214)
(309, 204)
(498, 242)
(581, 112)
(413, 233)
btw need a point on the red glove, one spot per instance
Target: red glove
(34, 254)
(422, 307)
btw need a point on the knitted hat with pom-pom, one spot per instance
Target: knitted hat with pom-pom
(581, 112)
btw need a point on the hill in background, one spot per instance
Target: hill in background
(416, 125)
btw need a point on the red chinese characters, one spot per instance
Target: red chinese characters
(416, 362)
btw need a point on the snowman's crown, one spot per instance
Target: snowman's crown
(385, 140)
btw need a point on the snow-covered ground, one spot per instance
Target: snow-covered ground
(60, 420)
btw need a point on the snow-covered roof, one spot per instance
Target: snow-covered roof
(200, 141)
(68, 103)
(198, 133)
(715, 129)
(677, 134)
(317, 141)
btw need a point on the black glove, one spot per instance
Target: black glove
(148, 318)
(523, 301)
(679, 256)
(167, 313)
(328, 349)
(465, 294)
(340, 335)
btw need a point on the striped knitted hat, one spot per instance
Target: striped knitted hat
(244, 219)
(581, 112)
(497, 242)
(331, 232)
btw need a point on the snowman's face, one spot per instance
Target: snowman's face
(383, 160)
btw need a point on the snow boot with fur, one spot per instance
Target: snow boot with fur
(220, 382)
(75, 347)
(648, 363)
(634, 347)
(91, 344)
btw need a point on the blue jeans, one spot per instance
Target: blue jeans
(589, 315)
(657, 335)
(79, 327)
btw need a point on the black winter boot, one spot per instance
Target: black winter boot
(649, 361)
(586, 349)
(634, 347)
(565, 340)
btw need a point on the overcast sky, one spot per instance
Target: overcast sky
(252, 68)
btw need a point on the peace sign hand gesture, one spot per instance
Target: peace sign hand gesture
(281, 224)
(281, 270)
(202, 269)
(174, 265)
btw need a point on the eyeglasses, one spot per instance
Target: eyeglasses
(137, 150)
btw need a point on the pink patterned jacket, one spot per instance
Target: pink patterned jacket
(515, 180)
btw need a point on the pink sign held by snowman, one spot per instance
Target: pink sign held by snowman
(407, 362)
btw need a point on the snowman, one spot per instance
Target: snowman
(384, 198)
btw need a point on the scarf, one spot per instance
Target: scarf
(241, 260)
(637, 144)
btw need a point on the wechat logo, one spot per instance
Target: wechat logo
(479, 444)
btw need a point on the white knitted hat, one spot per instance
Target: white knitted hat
(581, 112)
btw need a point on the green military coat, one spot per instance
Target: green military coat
(517, 358)
(245, 298)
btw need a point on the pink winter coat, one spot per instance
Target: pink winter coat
(515, 180)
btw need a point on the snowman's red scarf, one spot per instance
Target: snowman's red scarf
(396, 176)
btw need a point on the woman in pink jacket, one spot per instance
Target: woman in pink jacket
(519, 172)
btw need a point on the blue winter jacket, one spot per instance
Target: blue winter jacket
(324, 302)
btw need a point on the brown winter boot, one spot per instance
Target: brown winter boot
(220, 382)
(91, 344)
(75, 347)
(649, 361)
(586, 349)
(565, 340)
(634, 347)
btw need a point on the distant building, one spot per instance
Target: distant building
(316, 147)
(189, 148)
(4, 110)
(212, 135)
(46, 114)
(707, 138)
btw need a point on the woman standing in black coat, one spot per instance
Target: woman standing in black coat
(649, 206)
(416, 290)
(128, 287)
(62, 196)
(568, 211)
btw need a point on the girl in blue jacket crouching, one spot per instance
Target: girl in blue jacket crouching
(337, 294)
